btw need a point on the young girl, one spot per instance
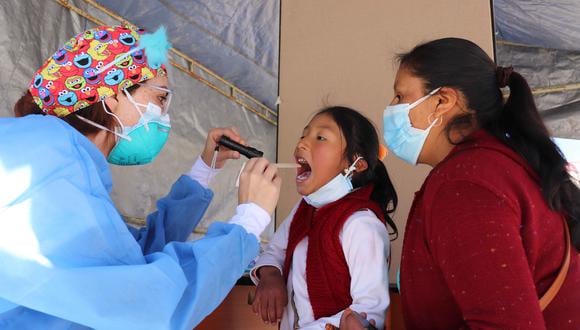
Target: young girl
(331, 253)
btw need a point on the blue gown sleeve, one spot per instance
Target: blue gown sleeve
(67, 253)
(177, 215)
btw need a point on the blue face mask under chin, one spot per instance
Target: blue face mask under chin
(334, 189)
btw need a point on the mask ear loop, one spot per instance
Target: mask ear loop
(351, 168)
(434, 122)
(97, 125)
(419, 101)
(213, 161)
(136, 105)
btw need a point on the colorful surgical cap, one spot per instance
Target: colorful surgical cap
(96, 64)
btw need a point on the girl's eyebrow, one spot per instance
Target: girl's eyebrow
(321, 127)
(325, 127)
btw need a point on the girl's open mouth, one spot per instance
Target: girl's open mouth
(304, 171)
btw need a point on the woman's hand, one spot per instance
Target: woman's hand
(224, 153)
(271, 297)
(260, 184)
(351, 321)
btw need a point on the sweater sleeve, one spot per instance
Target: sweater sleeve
(474, 237)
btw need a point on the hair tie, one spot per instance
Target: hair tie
(503, 75)
(383, 152)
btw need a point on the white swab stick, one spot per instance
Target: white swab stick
(286, 165)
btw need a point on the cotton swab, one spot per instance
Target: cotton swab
(278, 165)
(286, 165)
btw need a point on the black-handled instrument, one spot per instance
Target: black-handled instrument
(242, 149)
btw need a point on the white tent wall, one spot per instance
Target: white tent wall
(33, 30)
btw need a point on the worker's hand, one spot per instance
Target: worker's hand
(271, 297)
(224, 153)
(260, 184)
(350, 321)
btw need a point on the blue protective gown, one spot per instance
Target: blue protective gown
(67, 259)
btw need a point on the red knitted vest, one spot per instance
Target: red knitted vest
(327, 274)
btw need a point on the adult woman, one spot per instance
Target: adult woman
(68, 260)
(485, 237)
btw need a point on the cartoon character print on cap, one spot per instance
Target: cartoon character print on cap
(45, 96)
(114, 77)
(67, 98)
(83, 60)
(104, 92)
(81, 72)
(139, 57)
(91, 76)
(75, 83)
(90, 94)
(61, 56)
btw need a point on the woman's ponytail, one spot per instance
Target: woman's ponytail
(522, 128)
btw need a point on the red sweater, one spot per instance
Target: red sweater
(481, 246)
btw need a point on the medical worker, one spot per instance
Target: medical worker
(67, 259)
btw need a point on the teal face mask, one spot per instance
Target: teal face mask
(141, 143)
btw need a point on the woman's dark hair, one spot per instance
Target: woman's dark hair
(461, 64)
(362, 140)
(94, 112)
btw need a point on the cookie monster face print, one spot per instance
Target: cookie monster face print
(83, 60)
(67, 98)
(127, 39)
(114, 77)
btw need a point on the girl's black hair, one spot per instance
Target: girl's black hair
(461, 64)
(362, 140)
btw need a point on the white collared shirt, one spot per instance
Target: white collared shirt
(365, 243)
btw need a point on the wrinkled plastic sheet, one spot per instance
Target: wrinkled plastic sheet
(33, 30)
(548, 68)
(237, 39)
(548, 55)
(548, 24)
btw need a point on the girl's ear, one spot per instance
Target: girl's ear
(361, 165)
